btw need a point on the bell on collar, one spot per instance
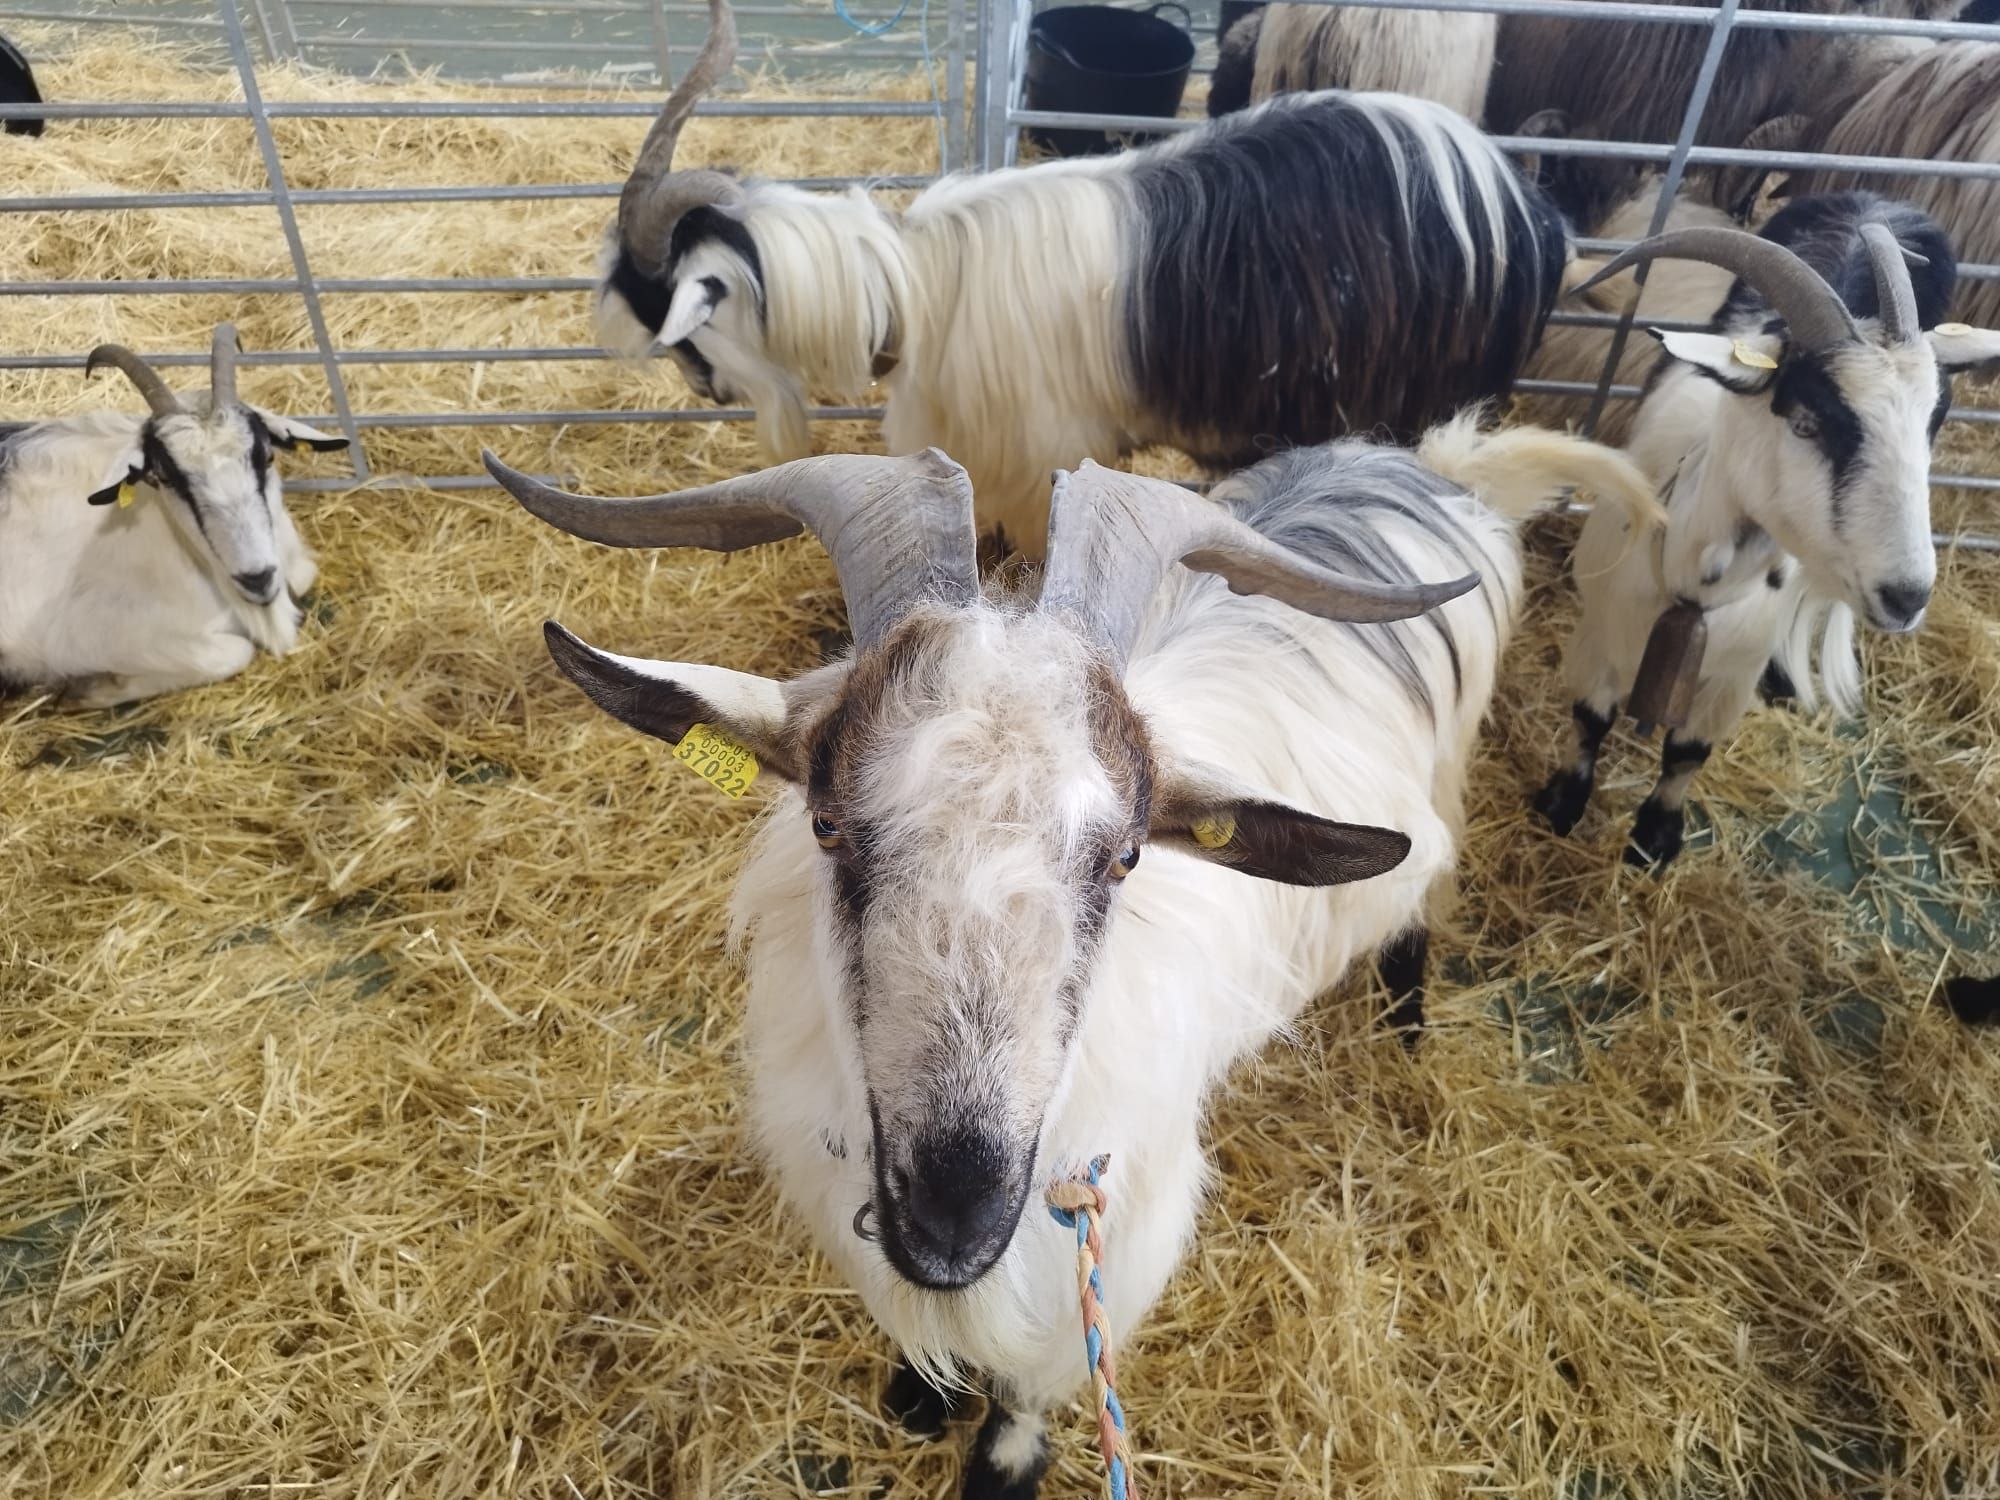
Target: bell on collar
(1663, 691)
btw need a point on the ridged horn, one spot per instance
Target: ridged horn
(1114, 536)
(1813, 312)
(222, 366)
(899, 530)
(655, 197)
(162, 402)
(1895, 295)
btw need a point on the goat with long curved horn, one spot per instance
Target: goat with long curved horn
(159, 399)
(1114, 536)
(899, 530)
(655, 197)
(222, 355)
(1812, 310)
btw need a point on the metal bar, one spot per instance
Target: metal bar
(420, 420)
(1670, 184)
(82, 18)
(274, 169)
(578, 7)
(954, 86)
(833, 47)
(538, 109)
(307, 197)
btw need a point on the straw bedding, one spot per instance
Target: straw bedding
(368, 1094)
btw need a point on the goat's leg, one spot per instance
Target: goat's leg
(919, 1407)
(1008, 1458)
(212, 659)
(1567, 793)
(1658, 828)
(1401, 965)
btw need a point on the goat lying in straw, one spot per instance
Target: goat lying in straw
(997, 917)
(187, 565)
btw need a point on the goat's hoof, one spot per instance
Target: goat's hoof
(1656, 836)
(1563, 800)
(919, 1407)
(1974, 1001)
(1008, 1458)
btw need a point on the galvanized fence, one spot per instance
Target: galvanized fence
(985, 41)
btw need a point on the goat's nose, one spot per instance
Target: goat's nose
(955, 1201)
(1900, 605)
(261, 585)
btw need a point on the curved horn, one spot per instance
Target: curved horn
(222, 367)
(655, 196)
(898, 529)
(1114, 536)
(163, 402)
(1895, 296)
(1812, 310)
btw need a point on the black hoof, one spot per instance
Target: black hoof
(919, 1407)
(1775, 686)
(1974, 1001)
(1656, 836)
(1008, 1458)
(1563, 800)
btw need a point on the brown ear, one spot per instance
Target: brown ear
(1198, 811)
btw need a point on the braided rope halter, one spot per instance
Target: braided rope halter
(1078, 1203)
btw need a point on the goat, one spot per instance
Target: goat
(958, 961)
(1624, 82)
(1943, 104)
(1792, 441)
(184, 577)
(18, 86)
(1446, 57)
(1324, 263)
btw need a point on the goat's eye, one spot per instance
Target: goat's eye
(826, 831)
(1125, 863)
(1805, 425)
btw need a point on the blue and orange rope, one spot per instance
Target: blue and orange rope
(1078, 1203)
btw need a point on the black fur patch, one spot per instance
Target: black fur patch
(1562, 800)
(1825, 232)
(169, 475)
(647, 296)
(1656, 835)
(1805, 388)
(1401, 966)
(1682, 755)
(703, 224)
(1280, 297)
(1974, 1001)
(985, 1480)
(917, 1406)
(1235, 66)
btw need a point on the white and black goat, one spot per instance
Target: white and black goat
(1791, 442)
(998, 915)
(1943, 104)
(139, 555)
(1322, 264)
(1443, 56)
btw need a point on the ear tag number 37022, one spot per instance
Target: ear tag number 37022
(722, 762)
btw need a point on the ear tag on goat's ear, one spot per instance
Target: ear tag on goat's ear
(722, 762)
(1952, 330)
(1756, 359)
(1213, 833)
(127, 493)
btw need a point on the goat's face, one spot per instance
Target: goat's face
(707, 313)
(979, 789)
(1839, 443)
(214, 471)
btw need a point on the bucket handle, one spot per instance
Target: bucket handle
(1187, 17)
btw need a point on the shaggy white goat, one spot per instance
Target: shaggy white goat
(1324, 263)
(964, 978)
(139, 555)
(1792, 442)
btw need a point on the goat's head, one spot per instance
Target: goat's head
(679, 271)
(212, 464)
(1837, 411)
(978, 787)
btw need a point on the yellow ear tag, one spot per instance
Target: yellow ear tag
(1756, 359)
(1213, 833)
(724, 764)
(127, 493)
(1952, 330)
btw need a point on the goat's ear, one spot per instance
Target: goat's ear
(1199, 812)
(693, 305)
(1959, 348)
(666, 699)
(129, 468)
(1743, 365)
(293, 435)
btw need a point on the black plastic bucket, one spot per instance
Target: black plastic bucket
(1103, 60)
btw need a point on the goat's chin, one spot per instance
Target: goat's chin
(619, 329)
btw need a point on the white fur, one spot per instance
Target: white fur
(1438, 55)
(1198, 967)
(122, 603)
